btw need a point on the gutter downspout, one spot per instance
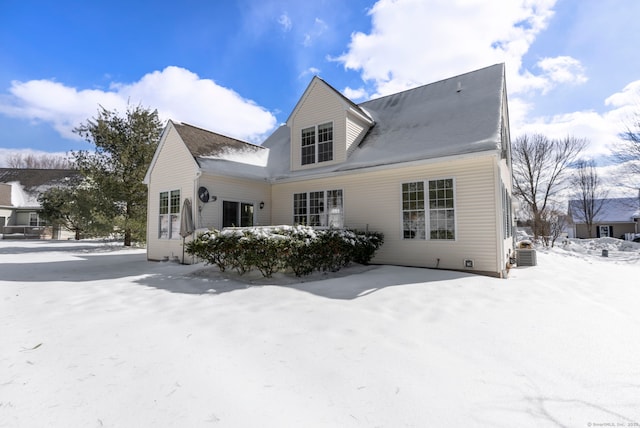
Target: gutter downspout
(196, 184)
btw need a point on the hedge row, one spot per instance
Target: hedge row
(300, 249)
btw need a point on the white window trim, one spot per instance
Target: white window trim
(171, 223)
(428, 212)
(602, 227)
(316, 144)
(324, 214)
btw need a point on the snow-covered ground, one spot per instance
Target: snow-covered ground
(93, 335)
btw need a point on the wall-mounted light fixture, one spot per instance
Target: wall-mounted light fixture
(261, 205)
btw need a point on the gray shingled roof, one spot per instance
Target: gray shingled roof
(614, 210)
(31, 178)
(455, 116)
(28, 183)
(205, 144)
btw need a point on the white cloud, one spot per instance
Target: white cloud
(175, 92)
(311, 71)
(601, 129)
(415, 42)
(629, 96)
(319, 27)
(562, 69)
(285, 22)
(62, 106)
(355, 94)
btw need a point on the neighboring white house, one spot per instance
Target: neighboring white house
(429, 167)
(20, 211)
(615, 217)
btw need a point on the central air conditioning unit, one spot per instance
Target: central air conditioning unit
(526, 257)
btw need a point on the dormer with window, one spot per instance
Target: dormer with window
(325, 127)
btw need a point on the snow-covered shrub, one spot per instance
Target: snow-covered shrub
(365, 246)
(300, 249)
(208, 247)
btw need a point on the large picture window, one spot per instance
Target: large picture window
(317, 144)
(320, 208)
(429, 213)
(169, 217)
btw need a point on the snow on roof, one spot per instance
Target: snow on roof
(205, 145)
(455, 116)
(28, 183)
(613, 210)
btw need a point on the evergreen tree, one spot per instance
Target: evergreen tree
(76, 209)
(124, 147)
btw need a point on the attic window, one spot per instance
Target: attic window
(317, 144)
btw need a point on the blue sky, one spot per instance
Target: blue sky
(238, 68)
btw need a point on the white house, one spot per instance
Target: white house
(429, 167)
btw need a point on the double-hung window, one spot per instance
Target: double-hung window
(428, 210)
(320, 208)
(169, 217)
(317, 144)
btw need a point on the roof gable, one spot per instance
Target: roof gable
(346, 102)
(456, 116)
(210, 150)
(206, 144)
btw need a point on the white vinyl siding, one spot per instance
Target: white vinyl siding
(321, 106)
(375, 199)
(174, 169)
(356, 130)
(210, 215)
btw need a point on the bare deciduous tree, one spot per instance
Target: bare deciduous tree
(556, 222)
(627, 151)
(589, 194)
(539, 167)
(38, 161)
